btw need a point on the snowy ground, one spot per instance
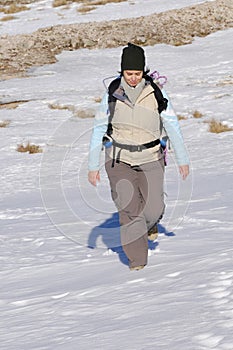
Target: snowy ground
(56, 293)
(43, 14)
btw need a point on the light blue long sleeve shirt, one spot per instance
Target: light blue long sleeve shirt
(172, 128)
(170, 124)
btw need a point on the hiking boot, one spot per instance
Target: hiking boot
(136, 268)
(153, 233)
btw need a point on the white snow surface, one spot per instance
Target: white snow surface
(43, 14)
(65, 283)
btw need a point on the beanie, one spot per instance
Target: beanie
(133, 58)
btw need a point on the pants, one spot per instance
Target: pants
(137, 192)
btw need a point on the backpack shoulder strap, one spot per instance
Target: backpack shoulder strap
(114, 85)
(162, 101)
(112, 102)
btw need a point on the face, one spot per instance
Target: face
(133, 77)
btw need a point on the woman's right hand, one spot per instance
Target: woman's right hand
(93, 177)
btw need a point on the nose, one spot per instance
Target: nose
(133, 78)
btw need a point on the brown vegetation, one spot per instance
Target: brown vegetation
(30, 148)
(218, 127)
(61, 107)
(7, 18)
(226, 81)
(80, 113)
(181, 117)
(4, 123)
(85, 9)
(90, 5)
(13, 8)
(197, 114)
(98, 99)
(84, 113)
(57, 3)
(13, 2)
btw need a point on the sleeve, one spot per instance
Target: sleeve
(99, 129)
(172, 128)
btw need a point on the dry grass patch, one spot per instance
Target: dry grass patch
(13, 9)
(221, 96)
(87, 5)
(30, 148)
(57, 3)
(84, 113)
(4, 123)
(218, 127)
(101, 2)
(61, 107)
(197, 114)
(8, 18)
(181, 117)
(11, 2)
(98, 99)
(226, 81)
(85, 9)
(80, 113)
(90, 5)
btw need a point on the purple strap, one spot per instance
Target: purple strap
(161, 79)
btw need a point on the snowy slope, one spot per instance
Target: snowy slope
(43, 14)
(56, 292)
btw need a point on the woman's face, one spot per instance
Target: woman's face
(133, 77)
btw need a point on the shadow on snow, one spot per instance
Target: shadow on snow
(109, 231)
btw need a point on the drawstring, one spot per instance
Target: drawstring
(113, 155)
(118, 156)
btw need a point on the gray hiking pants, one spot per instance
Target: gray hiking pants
(137, 192)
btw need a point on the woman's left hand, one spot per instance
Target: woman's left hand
(184, 171)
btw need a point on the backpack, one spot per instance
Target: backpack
(161, 101)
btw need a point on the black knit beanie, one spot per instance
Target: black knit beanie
(133, 58)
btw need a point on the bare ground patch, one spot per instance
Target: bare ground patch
(16, 2)
(11, 105)
(14, 8)
(174, 27)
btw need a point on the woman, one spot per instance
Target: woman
(135, 159)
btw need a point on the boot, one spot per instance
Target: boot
(153, 233)
(136, 268)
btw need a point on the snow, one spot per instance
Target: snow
(43, 14)
(56, 291)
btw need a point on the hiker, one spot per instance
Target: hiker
(130, 120)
